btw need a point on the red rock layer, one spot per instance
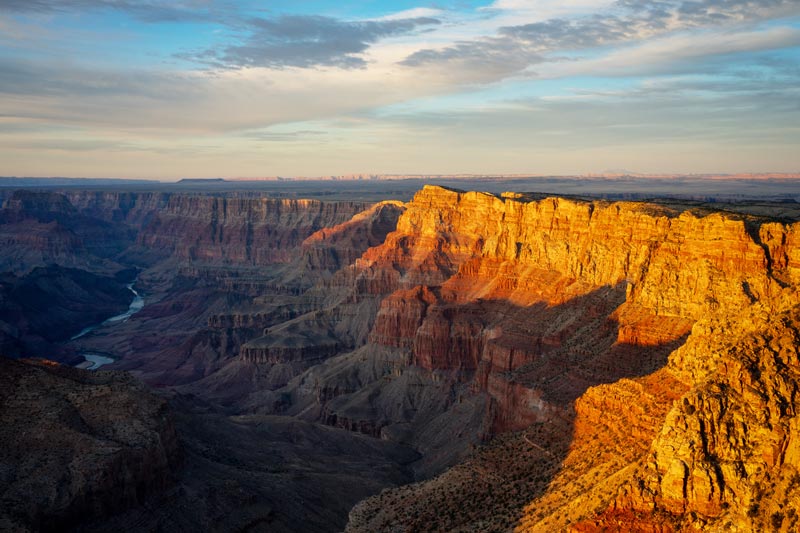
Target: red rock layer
(256, 231)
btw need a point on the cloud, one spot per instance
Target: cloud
(598, 30)
(518, 47)
(24, 78)
(675, 53)
(476, 62)
(163, 102)
(307, 41)
(417, 12)
(686, 123)
(145, 10)
(252, 41)
(281, 81)
(511, 12)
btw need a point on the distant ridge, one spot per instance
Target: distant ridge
(6, 181)
(202, 180)
(48, 181)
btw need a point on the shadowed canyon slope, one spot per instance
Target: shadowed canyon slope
(571, 364)
(78, 445)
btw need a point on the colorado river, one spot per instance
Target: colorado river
(98, 359)
(136, 305)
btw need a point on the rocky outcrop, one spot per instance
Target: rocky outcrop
(289, 348)
(255, 320)
(401, 315)
(727, 453)
(76, 446)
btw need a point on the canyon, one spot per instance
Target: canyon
(465, 361)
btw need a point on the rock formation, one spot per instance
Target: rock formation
(258, 231)
(536, 302)
(726, 455)
(76, 445)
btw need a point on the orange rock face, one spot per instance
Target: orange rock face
(631, 320)
(487, 284)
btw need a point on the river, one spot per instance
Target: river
(99, 359)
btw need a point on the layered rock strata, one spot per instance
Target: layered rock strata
(535, 302)
(559, 292)
(257, 231)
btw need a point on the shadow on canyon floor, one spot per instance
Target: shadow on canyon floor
(263, 473)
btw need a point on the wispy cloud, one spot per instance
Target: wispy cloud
(631, 21)
(687, 53)
(149, 11)
(307, 41)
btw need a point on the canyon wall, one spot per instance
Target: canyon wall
(134, 208)
(212, 307)
(518, 290)
(42, 228)
(256, 231)
(535, 302)
(66, 227)
(725, 455)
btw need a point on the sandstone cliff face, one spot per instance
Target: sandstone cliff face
(76, 445)
(678, 264)
(726, 457)
(240, 230)
(535, 303)
(519, 290)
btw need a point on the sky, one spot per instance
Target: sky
(224, 88)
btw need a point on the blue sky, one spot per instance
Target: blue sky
(207, 88)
